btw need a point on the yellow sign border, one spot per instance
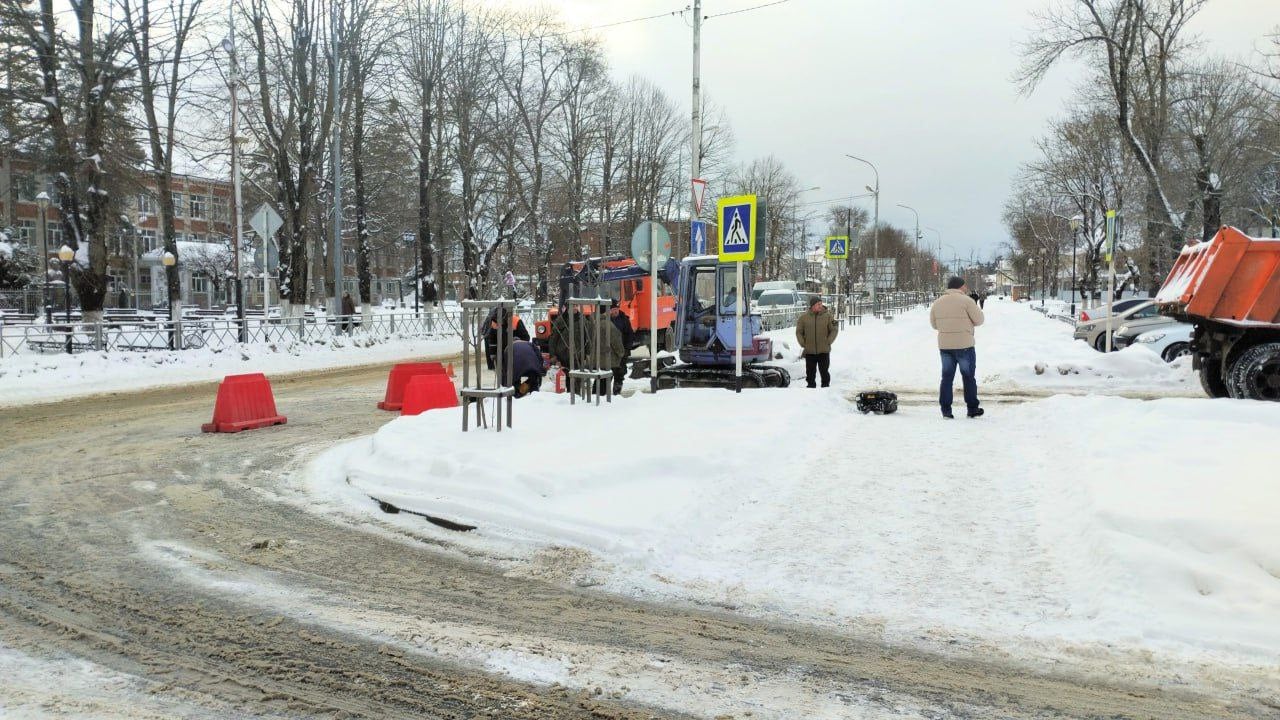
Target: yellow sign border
(845, 238)
(750, 253)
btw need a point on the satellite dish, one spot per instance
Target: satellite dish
(640, 243)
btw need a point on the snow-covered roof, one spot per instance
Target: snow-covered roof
(190, 250)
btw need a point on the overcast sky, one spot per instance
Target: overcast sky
(918, 87)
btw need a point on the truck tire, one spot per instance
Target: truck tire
(1255, 374)
(1211, 378)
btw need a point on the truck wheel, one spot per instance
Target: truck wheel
(1255, 375)
(1211, 378)
(1175, 351)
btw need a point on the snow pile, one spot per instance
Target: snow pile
(1019, 350)
(1018, 529)
(33, 377)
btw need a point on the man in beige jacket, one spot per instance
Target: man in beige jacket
(954, 316)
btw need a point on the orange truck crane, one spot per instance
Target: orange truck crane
(1229, 289)
(621, 279)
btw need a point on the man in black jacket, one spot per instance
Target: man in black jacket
(496, 319)
(623, 323)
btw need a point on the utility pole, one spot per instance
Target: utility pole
(915, 263)
(337, 165)
(695, 158)
(236, 239)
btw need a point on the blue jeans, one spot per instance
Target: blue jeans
(967, 361)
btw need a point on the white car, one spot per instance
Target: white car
(1170, 342)
(778, 299)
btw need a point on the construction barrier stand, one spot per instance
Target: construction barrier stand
(244, 402)
(399, 378)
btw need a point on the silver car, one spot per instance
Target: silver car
(1144, 315)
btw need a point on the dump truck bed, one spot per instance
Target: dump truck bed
(1233, 279)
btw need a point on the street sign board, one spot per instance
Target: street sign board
(698, 238)
(1111, 235)
(640, 243)
(882, 273)
(737, 216)
(699, 194)
(838, 247)
(266, 221)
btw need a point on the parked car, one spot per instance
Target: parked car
(1094, 331)
(764, 286)
(1170, 342)
(778, 299)
(1100, 312)
(1125, 335)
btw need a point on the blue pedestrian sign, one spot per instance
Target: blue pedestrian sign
(737, 228)
(698, 237)
(838, 247)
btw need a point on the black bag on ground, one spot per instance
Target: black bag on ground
(880, 402)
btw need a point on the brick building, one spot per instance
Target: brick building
(202, 215)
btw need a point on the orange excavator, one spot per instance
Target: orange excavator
(621, 279)
(1229, 289)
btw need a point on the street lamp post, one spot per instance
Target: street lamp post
(916, 262)
(875, 228)
(65, 256)
(169, 260)
(42, 200)
(1044, 273)
(1075, 234)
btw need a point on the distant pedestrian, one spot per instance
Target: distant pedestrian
(348, 311)
(982, 301)
(816, 330)
(527, 369)
(954, 316)
(623, 323)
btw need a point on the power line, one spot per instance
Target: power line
(619, 22)
(743, 10)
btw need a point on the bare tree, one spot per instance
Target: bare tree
(158, 37)
(1139, 41)
(78, 115)
(295, 114)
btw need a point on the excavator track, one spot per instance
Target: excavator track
(753, 376)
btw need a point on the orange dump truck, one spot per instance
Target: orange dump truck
(1229, 288)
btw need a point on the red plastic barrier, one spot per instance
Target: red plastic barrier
(399, 378)
(428, 392)
(244, 403)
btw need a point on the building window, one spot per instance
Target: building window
(179, 205)
(54, 231)
(199, 283)
(219, 209)
(147, 240)
(195, 237)
(147, 204)
(199, 205)
(27, 231)
(25, 184)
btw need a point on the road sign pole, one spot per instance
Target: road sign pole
(653, 307)
(737, 329)
(1111, 271)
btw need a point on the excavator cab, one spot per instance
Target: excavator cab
(706, 295)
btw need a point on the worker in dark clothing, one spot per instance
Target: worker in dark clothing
(527, 369)
(497, 319)
(623, 323)
(348, 310)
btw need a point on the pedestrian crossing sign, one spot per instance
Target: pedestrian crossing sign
(838, 247)
(737, 217)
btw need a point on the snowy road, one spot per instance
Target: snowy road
(180, 568)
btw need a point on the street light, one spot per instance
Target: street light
(169, 260)
(1044, 273)
(65, 256)
(917, 258)
(875, 228)
(1075, 223)
(42, 200)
